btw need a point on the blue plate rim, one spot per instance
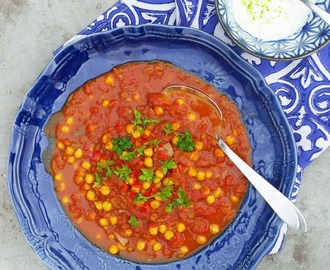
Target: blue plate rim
(150, 29)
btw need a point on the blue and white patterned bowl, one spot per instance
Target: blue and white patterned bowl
(313, 35)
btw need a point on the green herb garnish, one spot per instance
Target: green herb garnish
(147, 175)
(123, 172)
(168, 128)
(168, 164)
(140, 198)
(133, 221)
(121, 144)
(185, 142)
(98, 180)
(155, 142)
(165, 193)
(140, 119)
(134, 154)
(181, 201)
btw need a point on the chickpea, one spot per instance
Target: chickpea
(90, 195)
(113, 249)
(86, 164)
(201, 239)
(230, 140)
(78, 153)
(129, 128)
(107, 206)
(153, 230)
(136, 134)
(109, 80)
(162, 228)
(140, 245)
(154, 204)
(194, 156)
(201, 176)
(113, 220)
(58, 177)
(157, 246)
(69, 121)
(89, 178)
(192, 172)
(192, 116)
(198, 146)
(168, 235)
(181, 227)
(148, 162)
(214, 228)
(159, 110)
(148, 152)
(210, 199)
(184, 249)
(105, 190)
(103, 222)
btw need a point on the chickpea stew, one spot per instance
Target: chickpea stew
(139, 172)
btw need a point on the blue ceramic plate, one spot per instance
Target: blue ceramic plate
(314, 35)
(47, 228)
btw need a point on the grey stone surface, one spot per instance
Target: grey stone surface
(29, 31)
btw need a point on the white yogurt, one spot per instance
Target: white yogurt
(270, 19)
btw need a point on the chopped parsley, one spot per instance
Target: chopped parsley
(181, 201)
(147, 175)
(155, 142)
(168, 164)
(164, 194)
(123, 172)
(98, 180)
(133, 221)
(134, 154)
(121, 144)
(185, 142)
(140, 119)
(168, 128)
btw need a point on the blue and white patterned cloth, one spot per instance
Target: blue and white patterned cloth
(302, 86)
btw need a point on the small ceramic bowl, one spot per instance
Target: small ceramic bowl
(268, 40)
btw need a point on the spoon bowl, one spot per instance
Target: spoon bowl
(281, 205)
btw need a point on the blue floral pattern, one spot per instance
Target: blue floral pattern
(302, 86)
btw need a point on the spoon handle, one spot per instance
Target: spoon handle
(282, 206)
(325, 16)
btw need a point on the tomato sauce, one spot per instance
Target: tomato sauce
(138, 171)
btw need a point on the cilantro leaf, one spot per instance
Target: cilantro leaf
(168, 164)
(140, 119)
(147, 175)
(155, 142)
(133, 221)
(181, 201)
(140, 198)
(165, 193)
(137, 117)
(185, 142)
(121, 144)
(123, 172)
(168, 128)
(129, 156)
(98, 180)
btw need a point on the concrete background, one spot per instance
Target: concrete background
(29, 31)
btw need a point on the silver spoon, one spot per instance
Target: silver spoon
(281, 205)
(325, 16)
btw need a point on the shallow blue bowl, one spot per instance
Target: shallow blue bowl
(313, 35)
(47, 228)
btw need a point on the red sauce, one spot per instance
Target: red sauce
(139, 172)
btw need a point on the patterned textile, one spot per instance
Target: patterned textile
(302, 86)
